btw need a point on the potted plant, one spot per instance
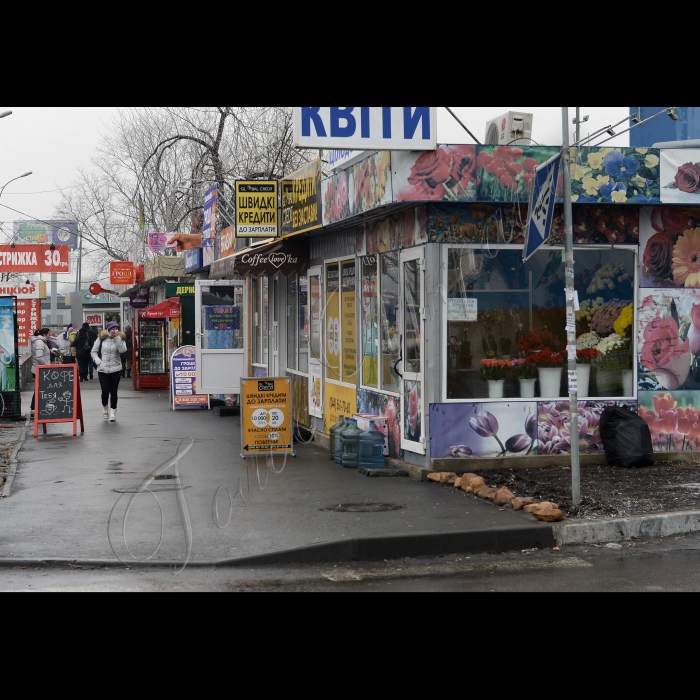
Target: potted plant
(549, 367)
(495, 373)
(526, 374)
(584, 360)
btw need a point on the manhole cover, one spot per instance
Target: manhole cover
(363, 508)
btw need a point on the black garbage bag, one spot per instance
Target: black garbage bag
(626, 438)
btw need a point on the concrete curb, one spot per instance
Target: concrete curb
(7, 488)
(360, 549)
(622, 529)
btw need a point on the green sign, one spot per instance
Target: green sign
(175, 289)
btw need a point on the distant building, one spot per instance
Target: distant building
(665, 129)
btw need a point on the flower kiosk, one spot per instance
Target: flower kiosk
(463, 344)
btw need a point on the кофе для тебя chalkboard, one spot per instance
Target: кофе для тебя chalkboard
(58, 397)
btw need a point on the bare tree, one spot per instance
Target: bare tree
(163, 159)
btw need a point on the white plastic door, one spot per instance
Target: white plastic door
(412, 294)
(220, 336)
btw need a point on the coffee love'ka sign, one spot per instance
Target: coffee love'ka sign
(284, 256)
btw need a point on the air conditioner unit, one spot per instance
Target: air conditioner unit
(514, 128)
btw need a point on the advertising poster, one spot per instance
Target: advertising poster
(339, 400)
(673, 419)
(194, 260)
(301, 200)
(34, 258)
(209, 227)
(121, 273)
(257, 209)
(266, 417)
(47, 233)
(228, 242)
(388, 407)
(447, 174)
(184, 380)
(315, 390)
(220, 322)
(8, 360)
(359, 189)
(680, 176)
(669, 247)
(349, 323)
(333, 322)
(27, 320)
(615, 175)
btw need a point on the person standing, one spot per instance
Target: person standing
(92, 335)
(106, 354)
(83, 351)
(41, 355)
(70, 336)
(126, 356)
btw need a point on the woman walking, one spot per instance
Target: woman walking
(41, 355)
(106, 354)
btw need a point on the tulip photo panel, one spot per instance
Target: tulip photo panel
(673, 419)
(680, 176)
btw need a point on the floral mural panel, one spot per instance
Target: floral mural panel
(389, 407)
(553, 432)
(669, 340)
(413, 418)
(405, 230)
(673, 419)
(478, 223)
(615, 175)
(358, 189)
(506, 173)
(446, 174)
(483, 430)
(670, 247)
(680, 176)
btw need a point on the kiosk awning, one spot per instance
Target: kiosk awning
(170, 308)
(270, 258)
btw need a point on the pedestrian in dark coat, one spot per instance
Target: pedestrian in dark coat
(82, 352)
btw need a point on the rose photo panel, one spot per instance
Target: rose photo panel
(680, 176)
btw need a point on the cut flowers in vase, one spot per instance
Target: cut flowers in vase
(495, 370)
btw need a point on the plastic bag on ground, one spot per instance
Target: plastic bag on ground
(626, 438)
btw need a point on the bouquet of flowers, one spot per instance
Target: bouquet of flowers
(623, 325)
(612, 344)
(586, 313)
(586, 357)
(538, 340)
(608, 278)
(547, 358)
(603, 322)
(522, 369)
(588, 341)
(495, 370)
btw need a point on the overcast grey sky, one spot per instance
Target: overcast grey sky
(54, 142)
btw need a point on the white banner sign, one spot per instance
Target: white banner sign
(21, 291)
(366, 128)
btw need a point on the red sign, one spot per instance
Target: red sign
(27, 319)
(94, 320)
(35, 258)
(121, 273)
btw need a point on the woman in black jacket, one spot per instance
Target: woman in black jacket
(83, 349)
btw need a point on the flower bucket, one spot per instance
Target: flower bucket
(628, 383)
(584, 380)
(527, 388)
(496, 388)
(550, 382)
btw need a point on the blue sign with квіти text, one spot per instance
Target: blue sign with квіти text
(544, 196)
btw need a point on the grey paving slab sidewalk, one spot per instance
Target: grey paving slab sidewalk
(64, 492)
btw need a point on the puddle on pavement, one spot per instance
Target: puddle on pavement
(363, 508)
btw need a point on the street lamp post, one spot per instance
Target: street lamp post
(19, 177)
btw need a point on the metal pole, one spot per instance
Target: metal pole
(54, 299)
(77, 302)
(578, 124)
(570, 312)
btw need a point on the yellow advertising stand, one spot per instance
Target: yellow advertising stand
(266, 417)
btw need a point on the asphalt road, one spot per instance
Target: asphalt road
(664, 566)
